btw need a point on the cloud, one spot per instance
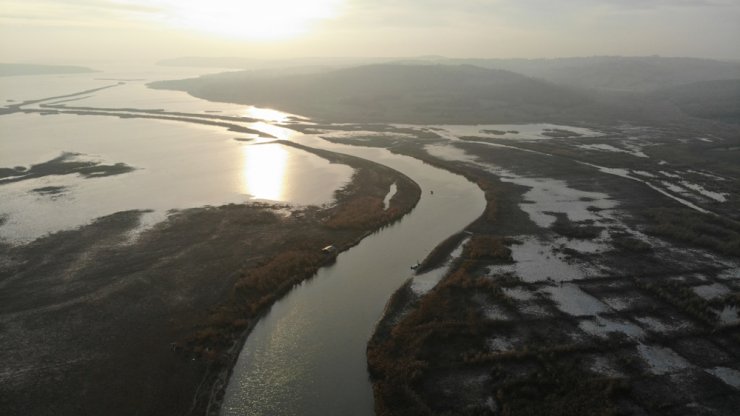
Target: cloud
(84, 13)
(375, 13)
(484, 28)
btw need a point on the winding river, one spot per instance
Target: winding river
(307, 355)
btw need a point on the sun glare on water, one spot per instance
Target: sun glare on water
(249, 19)
(264, 171)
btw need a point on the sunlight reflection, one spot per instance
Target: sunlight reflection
(266, 114)
(273, 130)
(264, 171)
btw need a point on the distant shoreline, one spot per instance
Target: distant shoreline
(12, 70)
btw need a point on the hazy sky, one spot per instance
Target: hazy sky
(68, 31)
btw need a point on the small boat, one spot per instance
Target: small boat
(331, 249)
(416, 266)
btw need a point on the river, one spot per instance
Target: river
(307, 355)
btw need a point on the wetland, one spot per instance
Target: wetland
(162, 254)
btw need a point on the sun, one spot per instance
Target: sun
(249, 19)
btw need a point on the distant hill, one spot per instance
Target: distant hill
(614, 73)
(7, 70)
(715, 100)
(394, 93)
(607, 73)
(210, 62)
(234, 62)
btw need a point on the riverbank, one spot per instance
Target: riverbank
(100, 320)
(359, 211)
(307, 356)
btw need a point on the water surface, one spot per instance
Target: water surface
(307, 356)
(176, 165)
